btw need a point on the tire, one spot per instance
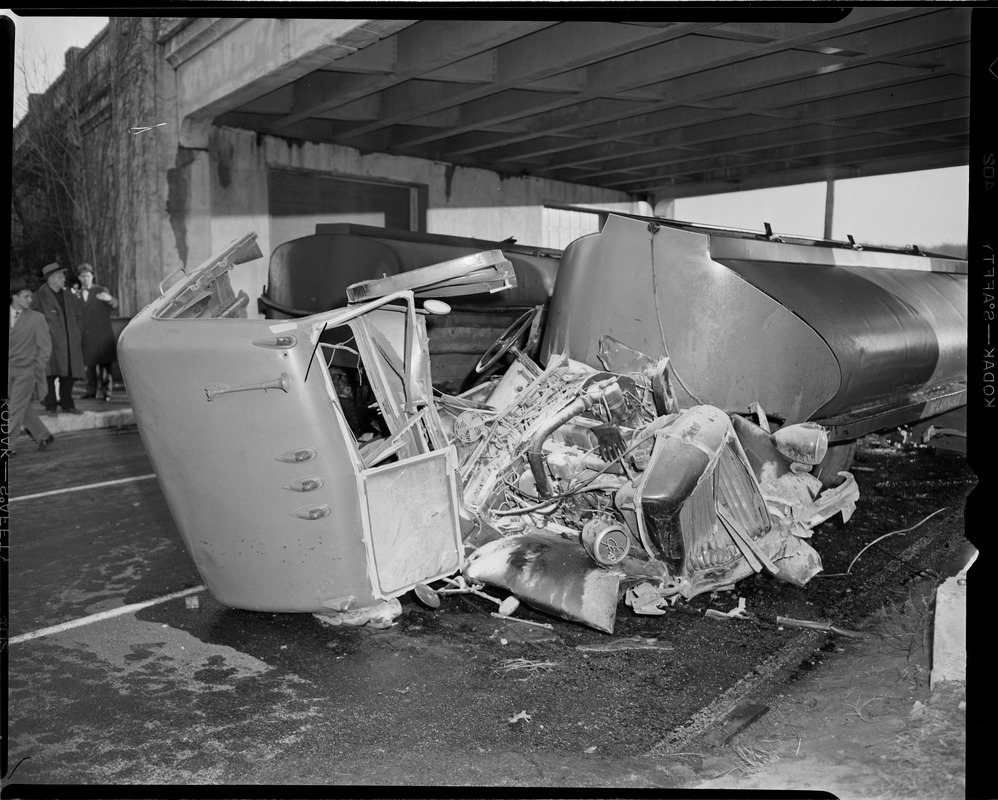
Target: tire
(838, 459)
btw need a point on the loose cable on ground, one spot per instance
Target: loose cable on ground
(878, 539)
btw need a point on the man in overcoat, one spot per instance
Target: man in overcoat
(99, 350)
(28, 349)
(65, 317)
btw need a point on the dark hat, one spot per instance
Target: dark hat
(49, 269)
(84, 267)
(19, 285)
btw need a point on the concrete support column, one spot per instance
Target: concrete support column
(189, 205)
(829, 207)
(665, 209)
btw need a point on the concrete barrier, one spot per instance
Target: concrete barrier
(949, 636)
(88, 420)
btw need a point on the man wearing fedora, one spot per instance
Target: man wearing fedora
(28, 349)
(65, 317)
(99, 349)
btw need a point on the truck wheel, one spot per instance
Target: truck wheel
(838, 458)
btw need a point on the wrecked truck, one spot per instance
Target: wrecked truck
(311, 465)
(855, 337)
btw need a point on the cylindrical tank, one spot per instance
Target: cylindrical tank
(807, 330)
(311, 274)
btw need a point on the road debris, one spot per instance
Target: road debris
(511, 665)
(892, 533)
(459, 585)
(508, 618)
(645, 599)
(631, 643)
(821, 626)
(522, 716)
(380, 615)
(738, 612)
(880, 539)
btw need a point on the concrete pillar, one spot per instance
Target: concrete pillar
(189, 205)
(665, 209)
(829, 207)
(185, 152)
(949, 636)
(949, 640)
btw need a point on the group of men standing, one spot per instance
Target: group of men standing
(69, 337)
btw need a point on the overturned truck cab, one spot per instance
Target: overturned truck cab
(292, 493)
(311, 465)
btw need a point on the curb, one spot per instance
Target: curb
(88, 420)
(949, 635)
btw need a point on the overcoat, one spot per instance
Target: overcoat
(65, 354)
(29, 344)
(98, 334)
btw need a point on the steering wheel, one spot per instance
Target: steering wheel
(507, 341)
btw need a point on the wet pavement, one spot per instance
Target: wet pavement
(179, 692)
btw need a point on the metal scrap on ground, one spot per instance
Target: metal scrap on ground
(821, 626)
(738, 612)
(630, 643)
(524, 665)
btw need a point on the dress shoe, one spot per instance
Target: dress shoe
(88, 396)
(52, 411)
(46, 442)
(72, 411)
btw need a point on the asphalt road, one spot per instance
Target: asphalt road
(172, 694)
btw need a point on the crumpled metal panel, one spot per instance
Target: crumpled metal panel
(696, 476)
(551, 574)
(683, 453)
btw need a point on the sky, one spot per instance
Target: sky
(924, 208)
(40, 45)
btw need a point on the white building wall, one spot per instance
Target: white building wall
(461, 201)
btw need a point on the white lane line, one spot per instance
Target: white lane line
(82, 488)
(114, 612)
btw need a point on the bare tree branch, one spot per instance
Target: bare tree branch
(68, 153)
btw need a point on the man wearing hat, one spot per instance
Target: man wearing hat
(65, 318)
(28, 350)
(99, 349)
